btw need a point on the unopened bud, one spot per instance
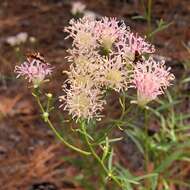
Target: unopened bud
(45, 116)
(110, 174)
(49, 95)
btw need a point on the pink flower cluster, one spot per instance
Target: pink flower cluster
(35, 70)
(150, 79)
(105, 54)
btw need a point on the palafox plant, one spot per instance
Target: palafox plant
(105, 56)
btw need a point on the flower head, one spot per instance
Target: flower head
(109, 30)
(83, 59)
(114, 74)
(82, 32)
(34, 70)
(132, 43)
(150, 79)
(22, 37)
(82, 102)
(18, 39)
(81, 77)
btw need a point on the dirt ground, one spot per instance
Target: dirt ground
(29, 153)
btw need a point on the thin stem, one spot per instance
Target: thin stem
(63, 140)
(149, 16)
(123, 106)
(56, 132)
(146, 144)
(48, 105)
(98, 158)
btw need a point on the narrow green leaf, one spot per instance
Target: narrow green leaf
(154, 182)
(110, 160)
(168, 161)
(111, 140)
(135, 140)
(105, 149)
(80, 131)
(146, 176)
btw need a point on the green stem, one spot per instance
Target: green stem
(63, 140)
(123, 106)
(98, 158)
(56, 132)
(149, 16)
(146, 144)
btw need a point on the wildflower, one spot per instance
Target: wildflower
(11, 40)
(81, 77)
(109, 30)
(82, 32)
(82, 102)
(77, 8)
(131, 44)
(83, 59)
(114, 74)
(18, 39)
(150, 79)
(34, 70)
(22, 37)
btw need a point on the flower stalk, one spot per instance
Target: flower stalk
(95, 155)
(57, 134)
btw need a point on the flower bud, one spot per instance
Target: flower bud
(49, 95)
(45, 116)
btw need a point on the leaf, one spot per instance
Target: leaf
(111, 140)
(126, 177)
(81, 132)
(166, 105)
(146, 176)
(161, 26)
(186, 80)
(168, 161)
(110, 160)
(154, 182)
(140, 17)
(105, 149)
(135, 140)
